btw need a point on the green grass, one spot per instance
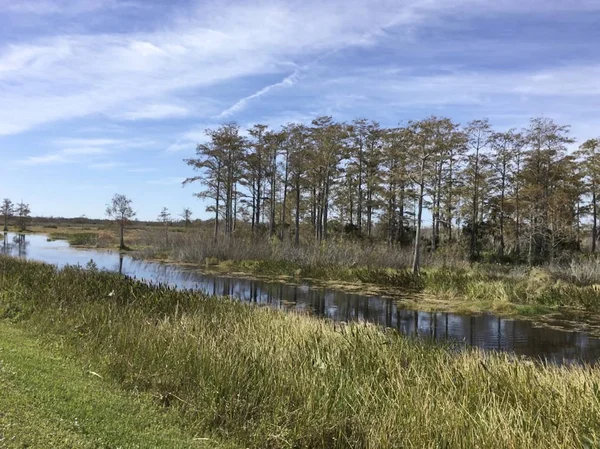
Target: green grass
(76, 238)
(264, 379)
(49, 400)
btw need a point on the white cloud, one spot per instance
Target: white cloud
(181, 146)
(241, 104)
(209, 45)
(106, 165)
(62, 7)
(75, 149)
(142, 170)
(66, 155)
(169, 181)
(85, 142)
(83, 151)
(50, 158)
(157, 111)
(105, 73)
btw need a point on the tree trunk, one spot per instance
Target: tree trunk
(359, 205)
(122, 235)
(258, 199)
(313, 210)
(502, 194)
(297, 234)
(416, 259)
(326, 208)
(438, 202)
(217, 195)
(253, 208)
(449, 199)
(369, 212)
(475, 212)
(595, 218)
(283, 203)
(517, 213)
(273, 187)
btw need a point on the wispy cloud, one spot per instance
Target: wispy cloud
(169, 181)
(105, 73)
(107, 165)
(75, 149)
(181, 146)
(62, 7)
(142, 170)
(66, 155)
(157, 111)
(92, 142)
(288, 81)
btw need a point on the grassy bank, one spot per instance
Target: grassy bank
(49, 400)
(262, 378)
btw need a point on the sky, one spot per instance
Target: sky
(99, 97)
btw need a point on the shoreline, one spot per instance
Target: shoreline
(558, 317)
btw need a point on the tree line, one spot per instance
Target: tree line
(515, 195)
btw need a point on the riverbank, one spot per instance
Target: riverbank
(506, 290)
(262, 378)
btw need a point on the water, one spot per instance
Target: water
(486, 331)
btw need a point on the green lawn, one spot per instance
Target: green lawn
(48, 400)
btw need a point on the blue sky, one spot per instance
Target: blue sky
(106, 96)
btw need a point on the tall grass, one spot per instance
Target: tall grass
(196, 246)
(272, 380)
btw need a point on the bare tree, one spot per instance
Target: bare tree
(121, 211)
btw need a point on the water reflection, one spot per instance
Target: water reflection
(484, 331)
(14, 244)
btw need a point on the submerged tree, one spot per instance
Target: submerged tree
(6, 210)
(121, 211)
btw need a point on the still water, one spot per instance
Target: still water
(486, 331)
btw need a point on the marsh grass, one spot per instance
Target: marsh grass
(271, 380)
(77, 238)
